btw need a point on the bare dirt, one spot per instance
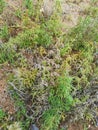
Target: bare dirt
(72, 10)
(78, 126)
(8, 15)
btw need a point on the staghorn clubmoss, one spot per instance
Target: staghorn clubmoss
(76, 61)
(60, 100)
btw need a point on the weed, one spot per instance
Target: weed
(60, 101)
(28, 4)
(39, 33)
(25, 39)
(52, 119)
(84, 34)
(66, 49)
(3, 117)
(54, 26)
(21, 112)
(2, 5)
(27, 77)
(33, 11)
(85, 127)
(2, 114)
(7, 53)
(18, 13)
(9, 50)
(93, 12)
(42, 37)
(4, 33)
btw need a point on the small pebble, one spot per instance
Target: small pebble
(34, 127)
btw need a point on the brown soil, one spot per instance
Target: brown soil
(72, 10)
(8, 16)
(75, 127)
(78, 126)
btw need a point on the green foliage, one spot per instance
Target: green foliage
(30, 7)
(18, 13)
(93, 12)
(33, 11)
(84, 34)
(64, 90)
(7, 53)
(85, 127)
(60, 101)
(27, 77)
(67, 48)
(25, 39)
(43, 34)
(75, 63)
(42, 37)
(2, 5)
(54, 26)
(52, 119)
(2, 114)
(21, 120)
(4, 33)
(20, 105)
(28, 4)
